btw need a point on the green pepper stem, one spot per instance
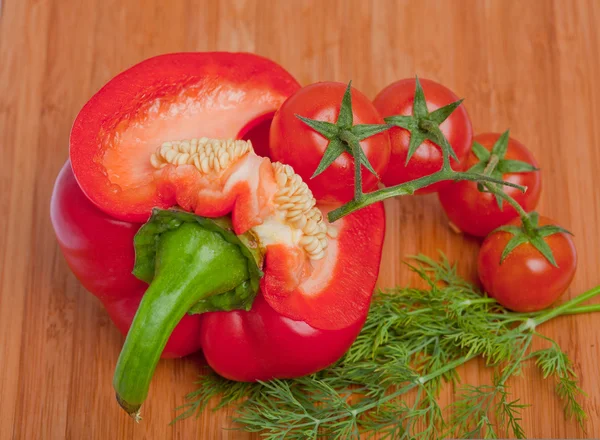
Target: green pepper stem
(191, 264)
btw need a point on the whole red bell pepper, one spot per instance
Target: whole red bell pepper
(156, 137)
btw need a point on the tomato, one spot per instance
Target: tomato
(167, 98)
(526, 281)
(477, 213)
(398, 99)
(296, 144)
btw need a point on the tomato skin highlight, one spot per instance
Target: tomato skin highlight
(397, 99)
(294, 143)
(99, 251)
(526, 281)
(262, 344)
(477, 213)
(227, 92)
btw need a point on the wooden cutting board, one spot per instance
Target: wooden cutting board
(531, 66)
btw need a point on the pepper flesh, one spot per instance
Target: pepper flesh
(180, 95)
(262, 344)
(99, 251)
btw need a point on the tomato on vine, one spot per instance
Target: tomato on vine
(424, 114)
(479, 212)
(527, 267)
(311, 132)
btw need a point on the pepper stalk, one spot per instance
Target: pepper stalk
(193, 265)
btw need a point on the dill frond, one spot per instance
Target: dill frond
(413, 340)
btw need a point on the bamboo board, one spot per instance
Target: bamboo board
(532, 66)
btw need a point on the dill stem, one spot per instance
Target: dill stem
(448, 367)
(415, 405)
(422, 346)
(420, 381)
(405, 389)
(485, 300)
(567, 306)
(520, 317)
(584, 309)
(508, 373)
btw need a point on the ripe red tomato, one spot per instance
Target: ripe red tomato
(296, 144)
(397, 99)
(477, 213)
(526, 281)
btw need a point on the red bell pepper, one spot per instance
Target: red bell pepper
(259, 344)
(142, 142)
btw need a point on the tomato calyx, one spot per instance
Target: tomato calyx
(424, 125)
(493, 163)
(531, 233)
(344, 136)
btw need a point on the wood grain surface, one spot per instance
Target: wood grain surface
(532, 66)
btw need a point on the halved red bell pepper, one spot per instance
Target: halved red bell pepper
(259, 344)
(169, 97)
(161, 135)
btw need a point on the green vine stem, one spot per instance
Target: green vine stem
(446, 173)
(525, 218)
(352, 141)
(488, 180)
(408, 188)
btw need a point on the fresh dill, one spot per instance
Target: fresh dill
(413, 341)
